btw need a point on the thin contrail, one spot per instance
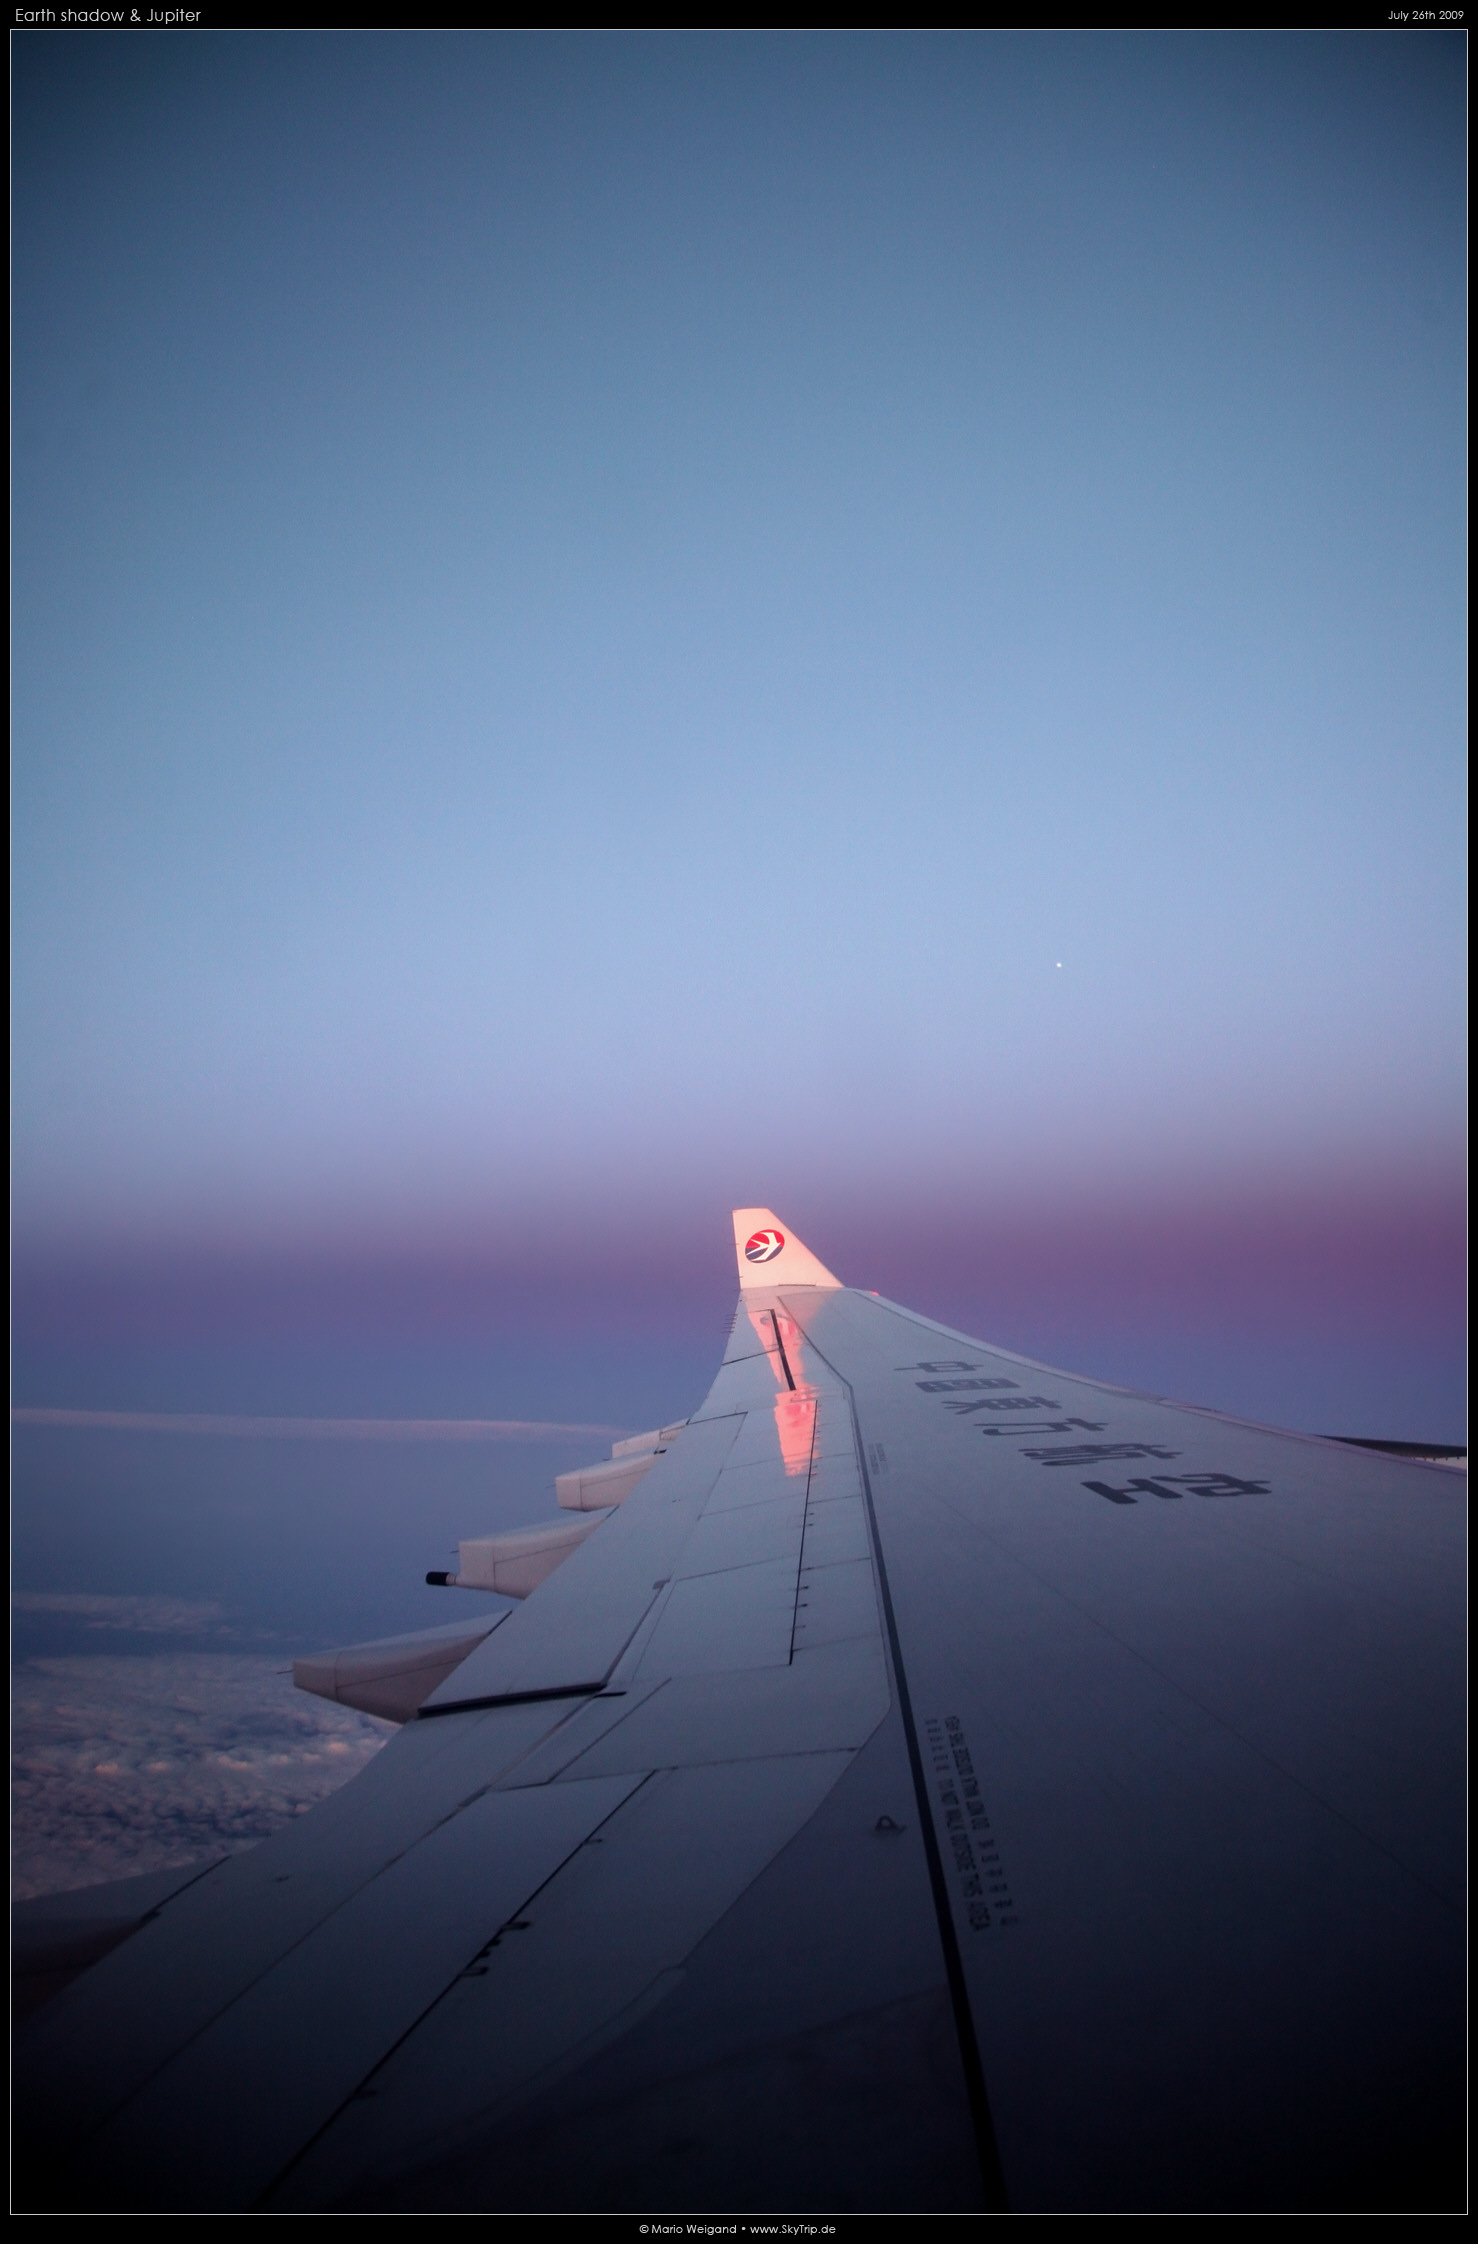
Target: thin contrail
(316, 1429)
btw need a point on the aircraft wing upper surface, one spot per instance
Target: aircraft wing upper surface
(943, 1784)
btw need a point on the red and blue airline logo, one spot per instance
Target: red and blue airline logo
(763, 1246)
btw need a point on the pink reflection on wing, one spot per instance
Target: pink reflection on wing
(795, 1406)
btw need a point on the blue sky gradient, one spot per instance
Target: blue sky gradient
(611, 625)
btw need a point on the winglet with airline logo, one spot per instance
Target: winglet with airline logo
(769, 1255)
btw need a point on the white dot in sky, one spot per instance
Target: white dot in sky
(1059, 966)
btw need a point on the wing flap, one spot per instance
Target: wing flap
(92, 2048)
(300, 2040)
(599, 1949)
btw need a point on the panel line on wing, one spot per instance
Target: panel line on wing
(992, 2176)
(511, 1698)
(478, 1956)
(619, 1917)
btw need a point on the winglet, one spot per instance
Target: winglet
(769, 1255)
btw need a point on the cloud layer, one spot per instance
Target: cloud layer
(311, 1429)
(139, 1616)
(124, 1765)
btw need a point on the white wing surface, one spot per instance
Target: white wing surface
(941, 1784)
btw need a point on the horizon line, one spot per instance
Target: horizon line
(313, 1429)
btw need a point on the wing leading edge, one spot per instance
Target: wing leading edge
(941, 1784)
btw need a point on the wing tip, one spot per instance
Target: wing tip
(770, 1255)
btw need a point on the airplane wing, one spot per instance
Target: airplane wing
(866, 1813)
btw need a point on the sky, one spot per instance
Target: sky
(613, 625)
